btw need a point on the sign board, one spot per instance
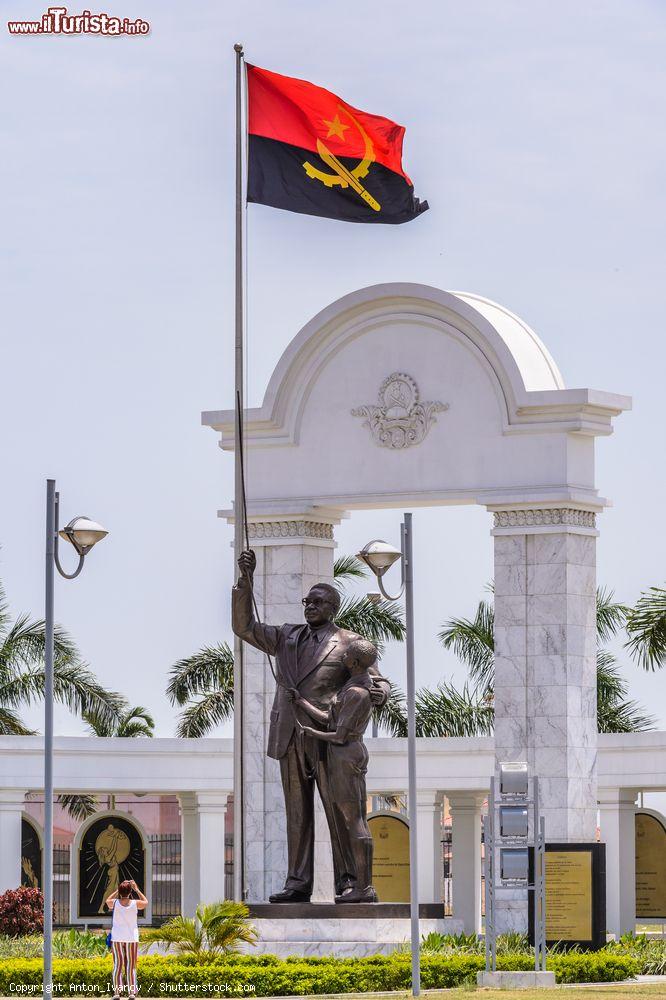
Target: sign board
(390, 865)
(575, 894)
(650, 865)
(31, 855)
(110, 851)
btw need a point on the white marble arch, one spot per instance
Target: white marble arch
(145, 916)
(511, 425)
(509, 436)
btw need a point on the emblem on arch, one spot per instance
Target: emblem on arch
(399, 420)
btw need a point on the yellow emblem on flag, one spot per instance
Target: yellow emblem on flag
(343, 176)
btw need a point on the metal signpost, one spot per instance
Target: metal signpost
(506, 859)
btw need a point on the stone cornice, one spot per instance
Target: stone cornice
(542, 516)
(258, 530)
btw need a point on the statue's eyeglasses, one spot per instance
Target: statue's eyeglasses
(317, 601)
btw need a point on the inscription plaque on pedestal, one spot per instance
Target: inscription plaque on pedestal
(575, 894)
(650, 865)
(390, 867)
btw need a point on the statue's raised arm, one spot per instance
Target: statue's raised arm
(243, 621)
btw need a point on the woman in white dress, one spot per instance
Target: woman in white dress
(125, 936)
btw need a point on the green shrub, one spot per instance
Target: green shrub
(271, 976)
(66, 944)
(650, 953)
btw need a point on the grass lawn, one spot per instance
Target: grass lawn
(605, 991)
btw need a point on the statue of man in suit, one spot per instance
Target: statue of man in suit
(309, 661)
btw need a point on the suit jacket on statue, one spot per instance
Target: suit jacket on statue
(318, 680)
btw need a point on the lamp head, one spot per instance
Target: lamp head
(83, 533)
(379, 556)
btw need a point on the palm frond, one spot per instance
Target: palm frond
(4, 610)
(378, 622)
(79, 807)
(211, 667)
(24, 644)
(11, 724)
(611, 616)
(130, 722)
(392, 715)
(136, 721)
(347, 568)
(447, 711)
(616, 713)
(473, 642)
(646, 626)
(215, 928)
(203, 715)
(75, 686)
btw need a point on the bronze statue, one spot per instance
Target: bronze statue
(309, 662)
(347, 762)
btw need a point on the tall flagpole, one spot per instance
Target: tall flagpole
(239, 526)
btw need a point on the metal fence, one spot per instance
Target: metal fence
(166, 856)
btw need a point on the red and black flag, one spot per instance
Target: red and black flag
(311, 152)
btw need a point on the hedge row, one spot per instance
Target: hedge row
(266, 975)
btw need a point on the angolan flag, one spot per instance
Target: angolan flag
(311, 152)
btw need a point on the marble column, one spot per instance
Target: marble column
(465, 808)
(294, 550)
(12, 802)
(617, 808)
(545, 662)
(429, 842)
(211, 809)
(189, 852)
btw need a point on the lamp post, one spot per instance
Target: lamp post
(379, 556)
(82, 533)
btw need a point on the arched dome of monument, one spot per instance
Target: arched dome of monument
(536, 363)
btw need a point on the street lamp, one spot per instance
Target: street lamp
(82, 533)
(379, 556)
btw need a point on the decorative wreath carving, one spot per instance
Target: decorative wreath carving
(399, 420)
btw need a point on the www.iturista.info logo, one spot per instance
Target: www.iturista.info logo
(56, 21)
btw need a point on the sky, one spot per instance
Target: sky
(535, 131)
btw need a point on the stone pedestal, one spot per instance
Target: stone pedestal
(466, 859)
(545, 665)
(11, 813)
(294, 551)
(346, 931)
(617, 808)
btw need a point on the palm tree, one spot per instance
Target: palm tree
(646, 627)
(446, 711)
(22, 678)
(131, 722)
(203, 684)
(217, 928)
(472, 640)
